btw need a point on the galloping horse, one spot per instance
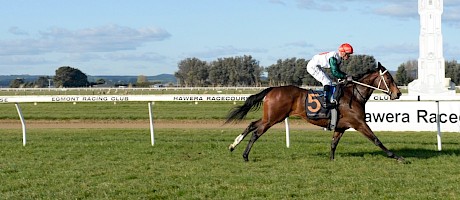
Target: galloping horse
(285, 101)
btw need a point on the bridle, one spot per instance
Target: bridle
(382, 80)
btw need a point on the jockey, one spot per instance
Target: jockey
(330, 60)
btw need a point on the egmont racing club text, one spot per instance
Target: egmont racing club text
(88, 98)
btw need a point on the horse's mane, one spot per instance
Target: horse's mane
(361, 75)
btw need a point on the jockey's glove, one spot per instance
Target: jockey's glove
(349, 78)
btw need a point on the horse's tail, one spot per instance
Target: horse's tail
(252, 103)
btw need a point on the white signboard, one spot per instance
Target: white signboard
(110, 98)
(409, 113)
(413, 115)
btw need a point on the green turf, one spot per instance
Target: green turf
(195, 164)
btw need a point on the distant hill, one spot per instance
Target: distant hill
(162, 78)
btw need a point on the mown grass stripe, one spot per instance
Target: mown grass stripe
(195, 164)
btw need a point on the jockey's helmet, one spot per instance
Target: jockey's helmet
(347, 48)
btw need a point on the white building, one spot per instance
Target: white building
(431, 64)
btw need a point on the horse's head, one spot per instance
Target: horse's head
(385, 83)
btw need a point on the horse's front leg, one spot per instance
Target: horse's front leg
(366, 131)
(335, 141)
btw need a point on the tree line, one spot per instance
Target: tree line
(246, 71)
(65, 77)
(407, 72)
(242, 71)
(69, 77)
(233, 71)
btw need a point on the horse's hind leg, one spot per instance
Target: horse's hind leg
(255, 135)
(252, 126)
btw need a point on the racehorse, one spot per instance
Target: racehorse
(284, 101)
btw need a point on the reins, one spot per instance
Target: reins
(387, 91)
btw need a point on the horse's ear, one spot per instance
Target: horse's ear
(380, 66)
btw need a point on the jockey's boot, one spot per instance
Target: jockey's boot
(327, 97)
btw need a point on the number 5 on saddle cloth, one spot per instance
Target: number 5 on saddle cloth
(314, 105)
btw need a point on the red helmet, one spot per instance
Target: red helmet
(347, 48)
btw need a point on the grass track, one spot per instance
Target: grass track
(195, 164)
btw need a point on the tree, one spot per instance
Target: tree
(453, 71)
(70, 77)
(287, 70)
(233, 71)
(141, 79)
(301, 73)
(100, 81)
(245, 71)
(42, 82)
(274, 72)
(290, 71)
(401, 76)
(406, 72)
(218, 73)
(17, 83)
(358, 64)
(411, 67)
(192, 72)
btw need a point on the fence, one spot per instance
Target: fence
(112, 98)
(410, 113)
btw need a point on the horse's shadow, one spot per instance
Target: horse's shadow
(419, 153)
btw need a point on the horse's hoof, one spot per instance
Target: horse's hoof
(331, 157)
(246, 159)
(402, 160)
(231, 148)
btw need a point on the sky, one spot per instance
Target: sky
(150, 37)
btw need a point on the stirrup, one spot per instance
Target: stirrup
(329, 105)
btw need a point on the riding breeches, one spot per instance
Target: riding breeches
(317, 72)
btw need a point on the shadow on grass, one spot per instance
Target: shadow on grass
(409, 153)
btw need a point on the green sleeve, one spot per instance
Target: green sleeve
(335, 70)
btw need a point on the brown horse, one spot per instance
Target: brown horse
(285, 101)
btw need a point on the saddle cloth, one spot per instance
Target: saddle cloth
(313, 105)
(315, 110)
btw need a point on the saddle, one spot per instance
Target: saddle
(315, 110)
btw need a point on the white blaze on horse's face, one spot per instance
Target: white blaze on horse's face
(386, 89)
(384, 85)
